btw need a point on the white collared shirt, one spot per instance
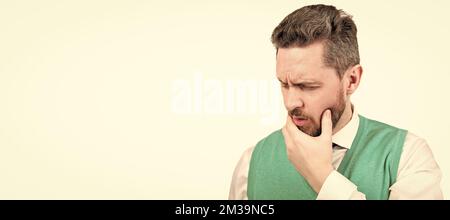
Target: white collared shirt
(418, 175)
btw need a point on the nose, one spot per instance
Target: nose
(293, 99)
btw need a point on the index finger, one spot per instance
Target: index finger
(327, 124)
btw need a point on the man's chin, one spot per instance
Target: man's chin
(309, 131)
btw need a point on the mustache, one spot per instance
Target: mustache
(296, 112)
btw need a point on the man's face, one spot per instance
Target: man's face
(308, 87)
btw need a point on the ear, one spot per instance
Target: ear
(352, 78)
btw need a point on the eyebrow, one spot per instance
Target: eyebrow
(306, 82)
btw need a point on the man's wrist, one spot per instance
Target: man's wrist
(337, 186)
(319, 178)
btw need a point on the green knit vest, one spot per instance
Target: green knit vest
(371, 164)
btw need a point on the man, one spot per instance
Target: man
(326, 150)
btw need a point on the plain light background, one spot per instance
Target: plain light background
(87, 90)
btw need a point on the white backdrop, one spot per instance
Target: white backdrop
(158, 99)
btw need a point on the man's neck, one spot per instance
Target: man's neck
(345, 117)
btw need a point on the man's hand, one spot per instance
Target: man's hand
(311, 156)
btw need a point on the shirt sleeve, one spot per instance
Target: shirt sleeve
(238, 188)
(418, 176)
(338, 187)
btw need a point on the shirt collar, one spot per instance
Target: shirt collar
(344, 137)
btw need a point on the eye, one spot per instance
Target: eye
(284, 85)
(308, 87)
